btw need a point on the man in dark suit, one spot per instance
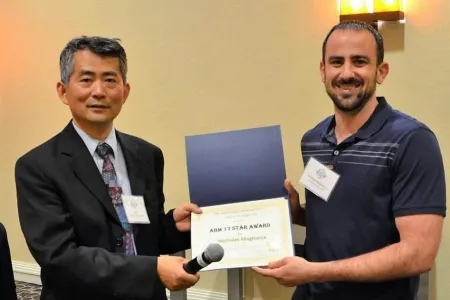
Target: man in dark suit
(7, 284)
(90, 200)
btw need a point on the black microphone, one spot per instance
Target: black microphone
(213, 253)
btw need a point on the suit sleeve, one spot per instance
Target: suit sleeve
(50, 236)
(7, 284)
(171, 240)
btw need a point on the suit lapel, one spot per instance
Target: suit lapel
(136, 173)
(86, 170)
(134, 163)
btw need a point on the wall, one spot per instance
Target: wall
(203, 66)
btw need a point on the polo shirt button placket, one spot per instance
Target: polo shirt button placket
(336, 153)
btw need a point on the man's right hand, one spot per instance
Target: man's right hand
(297, 212)
(172, 275)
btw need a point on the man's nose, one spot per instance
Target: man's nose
(98, 90)
(348, 71)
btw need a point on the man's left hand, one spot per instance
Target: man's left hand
(182, 216)
(289, 271)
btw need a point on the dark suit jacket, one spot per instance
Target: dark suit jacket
(72, 229)
(7, 284)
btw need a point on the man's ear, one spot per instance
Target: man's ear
(322, 71)
(62, 91)
(382, 73)
(126, 92)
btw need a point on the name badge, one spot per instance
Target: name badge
(319, 179)
(135, 209)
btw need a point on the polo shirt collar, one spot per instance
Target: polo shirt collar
(372, 125)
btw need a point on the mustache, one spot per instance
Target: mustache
(97, 104)
(348, 81)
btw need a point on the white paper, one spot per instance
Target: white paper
(252, 233)
(135, 209)
(318, 179)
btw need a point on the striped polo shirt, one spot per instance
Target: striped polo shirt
(392, 166)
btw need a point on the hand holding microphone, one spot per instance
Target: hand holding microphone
(171, 273)
(177, 274)
(213, 253)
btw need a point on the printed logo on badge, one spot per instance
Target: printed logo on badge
(133, 203)
(321, 173)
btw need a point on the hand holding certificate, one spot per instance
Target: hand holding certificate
(237, 179)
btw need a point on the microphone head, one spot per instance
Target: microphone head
(214, 252)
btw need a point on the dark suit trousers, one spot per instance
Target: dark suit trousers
(7, 285)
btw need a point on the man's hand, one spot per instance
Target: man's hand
(182, 216)
(172, 275)
(289, 271)
(297, 212)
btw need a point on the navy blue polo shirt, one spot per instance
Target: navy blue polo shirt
(391, 167)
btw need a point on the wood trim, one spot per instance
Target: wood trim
(374, 17)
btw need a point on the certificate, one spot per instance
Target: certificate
(252, 233)
(237, 178)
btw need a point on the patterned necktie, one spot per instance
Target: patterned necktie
(110, 178)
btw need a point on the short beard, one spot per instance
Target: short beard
(358, 104)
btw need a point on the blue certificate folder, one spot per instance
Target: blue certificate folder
(235, 166)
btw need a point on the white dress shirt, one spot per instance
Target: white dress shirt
(118, 161)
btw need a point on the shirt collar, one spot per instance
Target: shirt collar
(92, 143)
(372, 125)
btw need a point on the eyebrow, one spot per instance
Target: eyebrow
(361, 56)
(335, 57)
(352, 57)
(91, 73)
